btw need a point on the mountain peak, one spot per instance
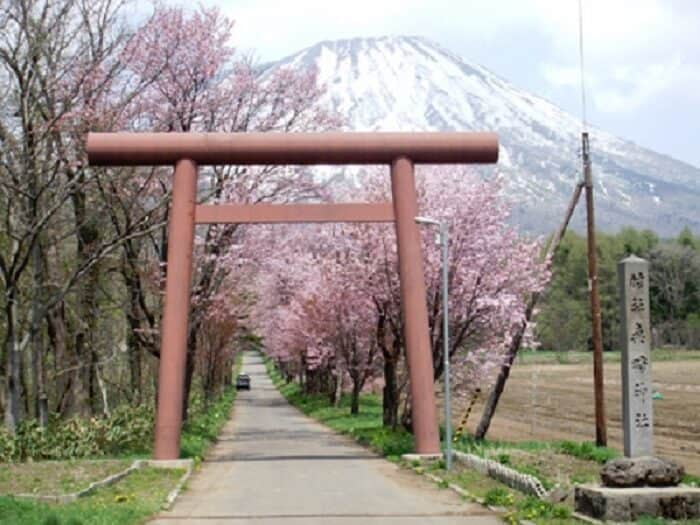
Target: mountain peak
(358, 43)
(410, 83)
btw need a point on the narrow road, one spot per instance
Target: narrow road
(275, 466)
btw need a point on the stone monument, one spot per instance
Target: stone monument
(639, 483)
(635, 340)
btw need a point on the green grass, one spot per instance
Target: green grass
(647, 520)
(130, 501)
(583, 450)
(690, 479)
(544, 460)
(534, 509)
(139, 495)
(518, 506)
(201, 429)
(586, 450)
(528, 357)
(205, 425)
(366, 427)
(56, 477)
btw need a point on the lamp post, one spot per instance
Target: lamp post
(445, 336)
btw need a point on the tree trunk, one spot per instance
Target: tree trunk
(134, 352)
(80, 380)
(390, 398)
(338, 394)
(56, 331)
(495, 395)
(37, 340)
(407, 416)
(136, 316)
(13, 383)
(91, 375)
(103, 391)
(88, 234)
(355, 400)
(391, 351)
(302, 383)
(189, 374)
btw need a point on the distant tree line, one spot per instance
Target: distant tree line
(564, 320)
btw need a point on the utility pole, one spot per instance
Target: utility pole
(601, 433)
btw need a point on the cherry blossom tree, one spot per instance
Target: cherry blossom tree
(491, 272)
(203, 85)
(331, 317)
(70, 67)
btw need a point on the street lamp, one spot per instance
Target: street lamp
(445, 337)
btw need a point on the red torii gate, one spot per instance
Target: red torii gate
(187, 151)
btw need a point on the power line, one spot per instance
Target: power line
(601, 432)
(581, 65)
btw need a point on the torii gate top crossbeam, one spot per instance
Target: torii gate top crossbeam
(153, 149)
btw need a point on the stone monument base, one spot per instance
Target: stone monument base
(629, 504)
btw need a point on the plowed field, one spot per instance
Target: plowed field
(555, 401)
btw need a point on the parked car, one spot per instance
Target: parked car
(243, 382)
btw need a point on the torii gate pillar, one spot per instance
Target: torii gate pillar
(414, 308)
(176, 312)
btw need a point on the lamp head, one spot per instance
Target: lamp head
(426, 220)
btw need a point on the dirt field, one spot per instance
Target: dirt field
(555, 401)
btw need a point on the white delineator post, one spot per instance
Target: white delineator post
(635, 331)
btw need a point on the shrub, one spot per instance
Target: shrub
(503, 459)
(129, 430)
(499, 497)
(531, 508)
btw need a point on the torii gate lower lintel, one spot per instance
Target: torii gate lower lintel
(188, 150)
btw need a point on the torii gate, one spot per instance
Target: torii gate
(187, 151)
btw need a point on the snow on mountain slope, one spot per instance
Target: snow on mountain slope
(412, 84)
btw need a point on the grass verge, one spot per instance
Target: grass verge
(131, 500)
(205, 425)
(56, 477)
(564, 463)
(202, 429)
(690, 479)
(528, 357)
(366, 427)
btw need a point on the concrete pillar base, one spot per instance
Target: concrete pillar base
(168, 463)
(423, 458)
(629, 504)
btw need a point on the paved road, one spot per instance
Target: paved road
(275, 466)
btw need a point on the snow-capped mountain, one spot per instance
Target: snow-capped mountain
(412, 84)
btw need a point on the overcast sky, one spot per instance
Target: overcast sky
(642, 57)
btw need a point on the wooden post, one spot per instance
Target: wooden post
(601, 433)
(514, 347)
